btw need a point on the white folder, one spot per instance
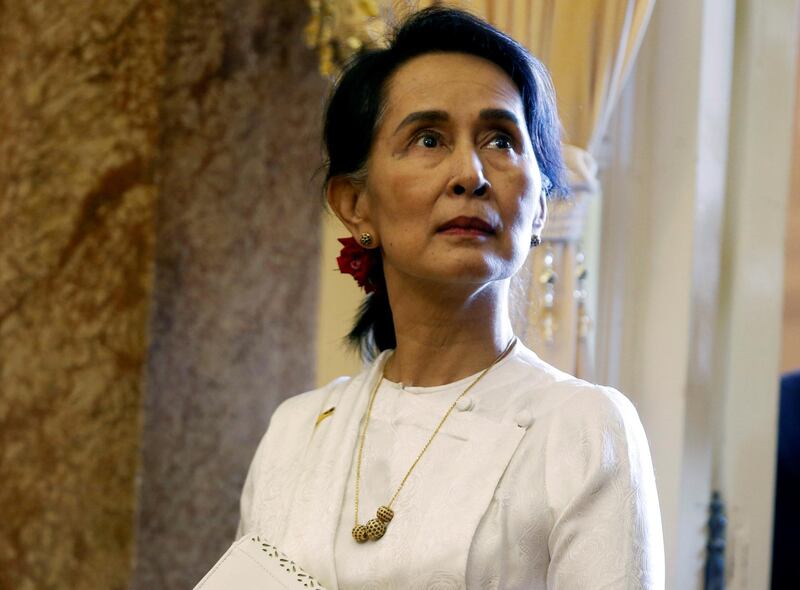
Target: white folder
(251, 563)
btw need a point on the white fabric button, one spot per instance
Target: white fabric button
(524, 419)
(465, 404)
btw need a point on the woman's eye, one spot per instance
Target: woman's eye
(502, 142)
(427, 140)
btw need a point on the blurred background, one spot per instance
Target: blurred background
(168, 274)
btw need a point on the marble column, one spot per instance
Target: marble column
(79, 122)
(233, 325)
(159, 229)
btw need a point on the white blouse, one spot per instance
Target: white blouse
(536, 481)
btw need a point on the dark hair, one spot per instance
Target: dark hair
(355, 105)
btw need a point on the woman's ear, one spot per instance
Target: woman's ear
(541, 214)
(348, 200)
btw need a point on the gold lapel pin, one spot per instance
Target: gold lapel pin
(324, 415)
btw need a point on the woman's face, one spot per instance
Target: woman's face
(453, 191)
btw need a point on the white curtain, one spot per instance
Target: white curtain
(589, 46)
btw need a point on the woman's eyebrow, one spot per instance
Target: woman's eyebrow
(502, 114)
(427, 116)
(443, 117)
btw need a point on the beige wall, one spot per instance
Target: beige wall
(790, 353)
(339, 298)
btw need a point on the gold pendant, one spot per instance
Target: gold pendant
(360, 533)
(375, 527)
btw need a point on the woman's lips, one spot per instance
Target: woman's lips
(467, 226)
(463, 231)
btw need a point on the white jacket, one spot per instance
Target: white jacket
(543, 481)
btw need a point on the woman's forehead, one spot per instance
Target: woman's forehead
(450, 83)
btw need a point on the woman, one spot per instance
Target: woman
(457, 458)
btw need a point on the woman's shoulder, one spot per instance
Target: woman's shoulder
(306, 406)
(584, 426)
(555, 394)
(311, 404)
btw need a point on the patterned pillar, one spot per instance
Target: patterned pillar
(79, 90)
(155, 191)
(233, 325)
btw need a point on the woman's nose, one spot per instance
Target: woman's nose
(468, 175)
(459, 189)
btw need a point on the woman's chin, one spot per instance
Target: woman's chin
(471, 272)
(455, 266)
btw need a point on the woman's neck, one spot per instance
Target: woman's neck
(444, 335)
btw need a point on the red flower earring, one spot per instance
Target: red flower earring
(358, 261)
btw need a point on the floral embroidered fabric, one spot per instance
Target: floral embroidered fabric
(538, 481)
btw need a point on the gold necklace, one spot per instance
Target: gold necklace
(375, 528)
